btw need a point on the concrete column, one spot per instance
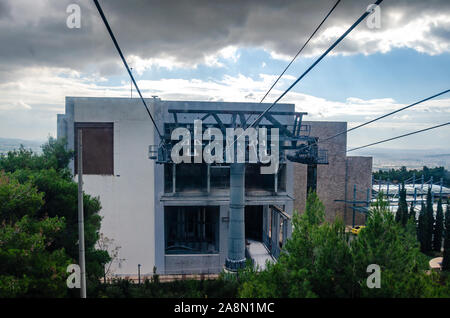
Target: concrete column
(236, 230)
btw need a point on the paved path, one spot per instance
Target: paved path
(259, 254)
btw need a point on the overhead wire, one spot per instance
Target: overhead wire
(354, 25)
(401, 136)
(386, 115)
(116, 44)
(301, 49)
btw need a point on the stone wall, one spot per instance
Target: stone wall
(359, 173)
(331, 178)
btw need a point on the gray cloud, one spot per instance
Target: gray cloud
(185, 30)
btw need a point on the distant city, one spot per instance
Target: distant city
(385, 158)
(9, 144)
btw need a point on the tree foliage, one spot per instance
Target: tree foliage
(316, 262)
(402, 211)
(438, 228)
(398, 175)
(41, 187)
(29, 264)
(422, 229)
(320, 260)
(430, 221)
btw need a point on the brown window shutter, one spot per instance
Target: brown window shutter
(98, 148)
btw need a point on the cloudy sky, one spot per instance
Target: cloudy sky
(231, 51)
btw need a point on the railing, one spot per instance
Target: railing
(273, 247)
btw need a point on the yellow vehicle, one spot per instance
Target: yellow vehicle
(357, 229)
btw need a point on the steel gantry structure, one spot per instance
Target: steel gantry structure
(295, 144)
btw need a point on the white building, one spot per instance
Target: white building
(175, 217)
(143, 211)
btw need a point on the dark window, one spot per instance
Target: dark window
(254, 180)
(98, 145)
(254, 222)
(220, 177)
(192, 230)
(190, 177)
(282, 178)
(168, 178)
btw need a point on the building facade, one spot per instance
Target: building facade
(174, 217)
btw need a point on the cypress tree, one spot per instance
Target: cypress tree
(438, 228)
(446, 259)
(430, 222)
(422, 228)
(403, 205)
(412, 212)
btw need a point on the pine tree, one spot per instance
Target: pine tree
(438, 228)
(422, 229)
(430, 222)
(446, 260)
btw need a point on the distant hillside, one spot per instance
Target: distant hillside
(8, 144)
(384, 158)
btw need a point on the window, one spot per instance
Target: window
(282, 177)
(98, 145)
(168, 177)
(254, 180)
(192, 230)
(190, 177)
(220, 177)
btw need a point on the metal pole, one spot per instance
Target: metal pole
(80, 216)
(369, 196)
(139, 274)
(371, 187)
(354, 205)
(415, 196)
(275, 182)
(431, 188)
(421, 189)
(387, 191)
(236, 228)
(440, 188)
(345, 192)
(174, 178)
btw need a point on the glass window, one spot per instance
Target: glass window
(192, 230)
(190, 177)
(220, 177)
